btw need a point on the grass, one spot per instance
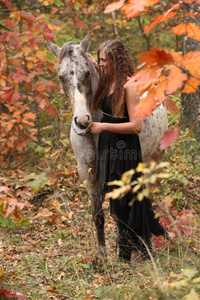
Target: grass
(56, 255)
(61, 261)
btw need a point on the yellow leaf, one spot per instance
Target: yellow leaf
(41, 53)
(179, 284)
(56, 204)
(46, 3)
(30, 65)
(2, 272)
(70, 215)
(26, 50)
(192, 295)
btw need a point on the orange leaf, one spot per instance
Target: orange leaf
(169, 138)
(191, 61)
(134, 7)
(190, 1)
(175, 80)
(53, 291)
(191, 85)
(168, 201)
(179, 29)
(191, 129)
(146, 78)
(114, 6)
(171, 105)
(193, 31)
(160, 19)
(146, 105)
(156, 56)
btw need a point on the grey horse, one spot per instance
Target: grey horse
(79, 79)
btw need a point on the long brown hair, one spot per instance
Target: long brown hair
(120, 66)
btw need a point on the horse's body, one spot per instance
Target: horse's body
(79, 79)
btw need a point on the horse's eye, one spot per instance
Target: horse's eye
(87, 74)
(61, 78)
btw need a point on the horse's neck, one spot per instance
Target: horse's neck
(94, 83)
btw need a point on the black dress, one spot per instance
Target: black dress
(118, 153)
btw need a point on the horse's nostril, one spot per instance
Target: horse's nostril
(61, 78)
(75, 119)
(89, 119)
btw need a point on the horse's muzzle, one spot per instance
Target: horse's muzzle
(83, 122)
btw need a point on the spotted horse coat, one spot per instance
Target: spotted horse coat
(79, 80)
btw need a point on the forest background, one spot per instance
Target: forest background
(47, 245)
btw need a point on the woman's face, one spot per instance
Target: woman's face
(103, 63)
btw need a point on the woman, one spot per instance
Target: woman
(119, 148)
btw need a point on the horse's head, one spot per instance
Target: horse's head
(78, 76)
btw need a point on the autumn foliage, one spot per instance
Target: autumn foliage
(163, 72)
(26, 85)
(23, 88)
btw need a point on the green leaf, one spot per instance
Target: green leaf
(24, 222)
(190, 273)
(192, 295)
(180, 283)
(85, 266)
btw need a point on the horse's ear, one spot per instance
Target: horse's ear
(86, 42)
(53, 47)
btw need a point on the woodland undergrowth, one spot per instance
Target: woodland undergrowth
(48, 246)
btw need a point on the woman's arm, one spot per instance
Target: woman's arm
(133, 126)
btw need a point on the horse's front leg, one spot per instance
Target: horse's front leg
(97, 211)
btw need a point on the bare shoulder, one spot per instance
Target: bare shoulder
(131, 93)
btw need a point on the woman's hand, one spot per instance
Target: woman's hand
(93, 61)
(97, 128)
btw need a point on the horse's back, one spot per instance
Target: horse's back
(153, 130)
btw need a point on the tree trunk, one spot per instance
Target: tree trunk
(191, 102)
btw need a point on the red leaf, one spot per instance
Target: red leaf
(10, 24)
(26, 15)
(80, 24)
(159, 241)
(52, 110)
(20, 70)
(114, 6)
(165, 221)
(8, 4)
(186, 211)
(169, 138)
(7, 95)
(186, 230)
(48, 35)
(19, 78)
